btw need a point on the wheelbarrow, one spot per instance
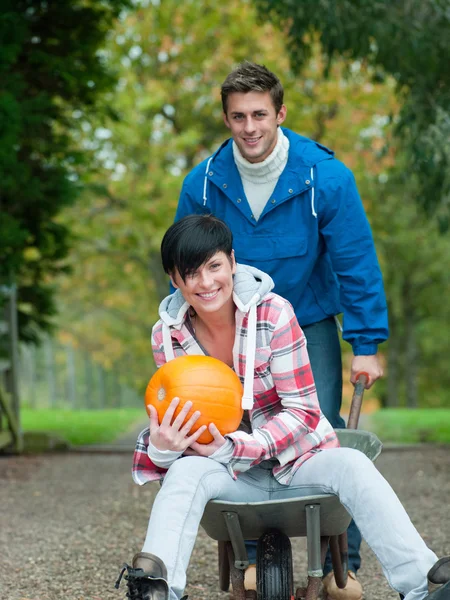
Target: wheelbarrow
(322, 519)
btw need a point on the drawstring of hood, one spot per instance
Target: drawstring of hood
(313, 210)
(247, 398)
(212, 157)
(250, 285)
(205, 181)
(167, 341)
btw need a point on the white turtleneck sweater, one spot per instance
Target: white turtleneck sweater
(259, 179)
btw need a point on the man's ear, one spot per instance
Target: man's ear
(281, 116)
(225, 120)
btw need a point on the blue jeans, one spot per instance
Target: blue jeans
(325, 356)
(192, 481)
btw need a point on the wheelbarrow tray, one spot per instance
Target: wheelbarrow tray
(287, 516)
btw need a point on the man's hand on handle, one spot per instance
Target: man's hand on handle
(369, 364)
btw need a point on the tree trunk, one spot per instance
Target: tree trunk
(393, 363)
(411, 349)
(411, 363)
(158, 276)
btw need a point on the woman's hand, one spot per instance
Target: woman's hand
(207, 449)
(174, 436)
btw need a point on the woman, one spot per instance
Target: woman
(228, 311)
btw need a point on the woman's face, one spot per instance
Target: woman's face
(210, 288)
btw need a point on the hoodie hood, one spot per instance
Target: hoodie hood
(250, 285)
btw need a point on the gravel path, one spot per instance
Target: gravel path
(68, 522)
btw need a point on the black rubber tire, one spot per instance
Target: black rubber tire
(274, 572)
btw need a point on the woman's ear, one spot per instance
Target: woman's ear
(233, 262)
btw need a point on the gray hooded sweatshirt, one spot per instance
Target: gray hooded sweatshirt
(250, 285)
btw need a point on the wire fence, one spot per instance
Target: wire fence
(56, 375)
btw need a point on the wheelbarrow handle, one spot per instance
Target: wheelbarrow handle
(361, 379)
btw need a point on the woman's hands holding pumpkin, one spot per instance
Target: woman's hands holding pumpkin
(197, 449)
(175, 436)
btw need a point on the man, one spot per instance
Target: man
(296, 214)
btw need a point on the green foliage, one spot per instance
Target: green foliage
(49, 67)
(408, 41)
(171, 61)
(412, 256)
(404, 426)
(407, 44)
(83, 426)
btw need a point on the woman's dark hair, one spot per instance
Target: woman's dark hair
(193, 240)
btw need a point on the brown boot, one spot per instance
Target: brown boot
(250, 578)
(352, 591)
(146, 578)
(249, 583)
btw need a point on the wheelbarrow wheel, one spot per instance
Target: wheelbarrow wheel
(224, 567)
(274, 572)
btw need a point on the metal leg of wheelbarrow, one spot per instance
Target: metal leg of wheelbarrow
(236, 554)
(317, 547)
(224, 566)
(339, 558)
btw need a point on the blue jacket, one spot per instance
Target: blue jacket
(312, 238)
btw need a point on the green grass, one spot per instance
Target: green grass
(412, 426)
(401, 426)
(82, 426)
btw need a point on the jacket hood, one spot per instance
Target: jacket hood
(306, 150)
(250, 285)
(302, 150)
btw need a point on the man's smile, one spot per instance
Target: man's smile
(252, 140)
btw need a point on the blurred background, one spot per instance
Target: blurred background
(105, 105)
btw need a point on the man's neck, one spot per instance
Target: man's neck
(269, 169)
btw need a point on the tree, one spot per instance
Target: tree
(414, 258)
(171, 61)
(410, 42)
(50, 68)
(407, 43)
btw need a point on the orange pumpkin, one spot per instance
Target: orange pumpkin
(212, 386)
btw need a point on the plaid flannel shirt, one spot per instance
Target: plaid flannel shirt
(286, 420)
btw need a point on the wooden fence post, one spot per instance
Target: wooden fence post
(10, 430)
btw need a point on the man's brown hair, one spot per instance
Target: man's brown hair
(250, 77)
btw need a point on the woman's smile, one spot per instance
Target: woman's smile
(208, 295)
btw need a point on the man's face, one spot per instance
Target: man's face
(253, 123)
